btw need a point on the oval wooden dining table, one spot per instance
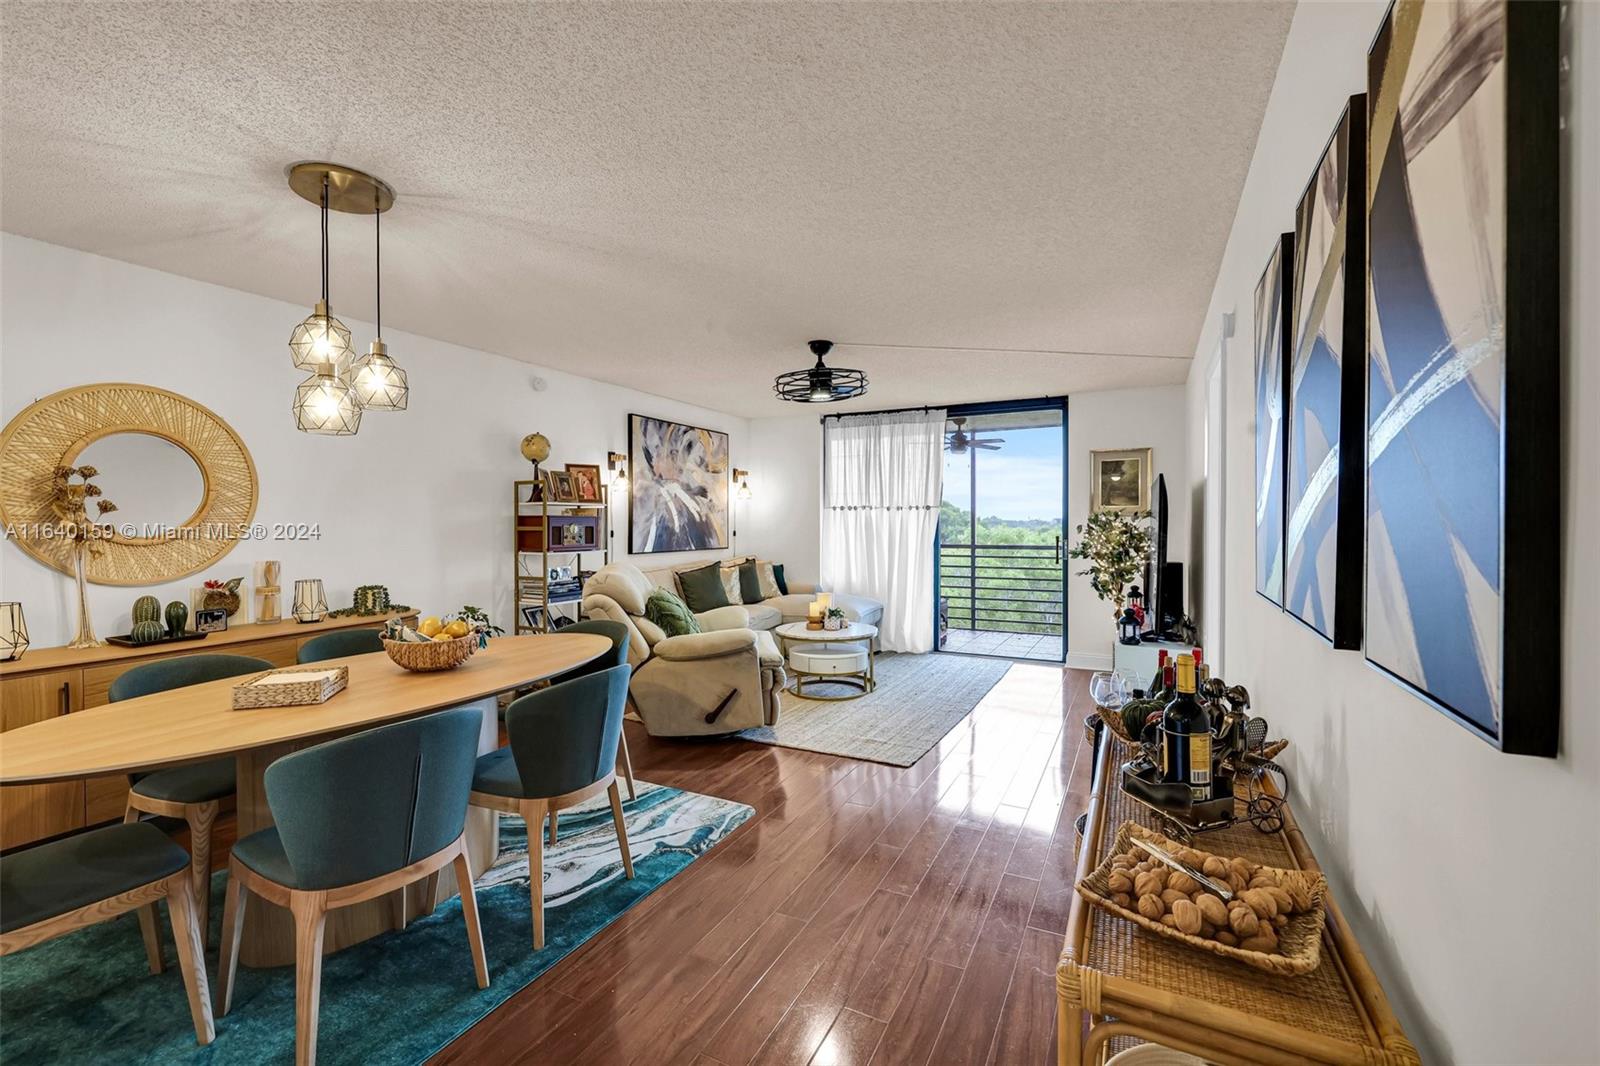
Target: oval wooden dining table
(197, 723)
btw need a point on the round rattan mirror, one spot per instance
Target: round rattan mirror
(165, 445)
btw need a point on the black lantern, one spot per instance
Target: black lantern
(1128, 626)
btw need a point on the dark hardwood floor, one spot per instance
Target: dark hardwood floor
(864, 914)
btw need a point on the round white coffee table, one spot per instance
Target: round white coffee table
(856, 675)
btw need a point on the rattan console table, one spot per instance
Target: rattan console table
(1118, 984)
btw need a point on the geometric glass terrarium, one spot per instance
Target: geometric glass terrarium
(13, 632)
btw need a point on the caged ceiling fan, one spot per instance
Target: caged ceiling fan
(958, 442)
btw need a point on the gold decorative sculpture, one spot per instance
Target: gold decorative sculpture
(69, 502)
(50, 434)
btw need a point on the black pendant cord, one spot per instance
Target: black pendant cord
(377, 245)
(325, 240)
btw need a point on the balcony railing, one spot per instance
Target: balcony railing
(1002, 588)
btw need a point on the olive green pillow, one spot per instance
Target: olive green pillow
(702, 588)
(670, 613)
(750, 583)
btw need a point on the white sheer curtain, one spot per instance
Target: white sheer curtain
(882, 483)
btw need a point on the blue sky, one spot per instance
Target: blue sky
(1022, 479)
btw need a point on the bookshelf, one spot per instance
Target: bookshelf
(571, 539)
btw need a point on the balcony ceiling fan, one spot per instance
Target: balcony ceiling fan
(958, 442)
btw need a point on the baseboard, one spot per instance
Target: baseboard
(1082, 660)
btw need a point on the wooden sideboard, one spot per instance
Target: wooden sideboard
(48, 682)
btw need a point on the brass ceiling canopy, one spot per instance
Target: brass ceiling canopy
(352, 191)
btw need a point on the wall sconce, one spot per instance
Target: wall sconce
(617, 466)
(13, 632)
(310, 603)
(743, 478)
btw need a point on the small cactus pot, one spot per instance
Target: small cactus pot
(146, 632)
(177, 617)
(146, 609)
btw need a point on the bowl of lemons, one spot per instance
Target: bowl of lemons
(432, 645)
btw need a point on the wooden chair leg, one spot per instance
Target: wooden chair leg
(622, 829)
(430, 894)
(469, 912)
(201, 817)
(627, 765)
(191, 954)
(233, 905)
(397, 905)
(310, 917)
(150, 929)
(553, 817)
(533, 814)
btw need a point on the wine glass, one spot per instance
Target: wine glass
(1108, 690)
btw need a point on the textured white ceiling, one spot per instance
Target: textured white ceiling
(675, 197)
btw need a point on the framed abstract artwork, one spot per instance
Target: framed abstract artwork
(1463, 405)
(1323, 482)
(678, 498)
(1274, 304)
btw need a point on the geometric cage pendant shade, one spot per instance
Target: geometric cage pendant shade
(378, 384)
(325, 405)
(320, 340)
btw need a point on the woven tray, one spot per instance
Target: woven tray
(1300, 940)
(248, 695)
(432, 655)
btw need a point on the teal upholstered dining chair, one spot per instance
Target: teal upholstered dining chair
(563, 751)
(338, 644)
(55, 888)
(355, 819)
(617, 633)
(194, 792)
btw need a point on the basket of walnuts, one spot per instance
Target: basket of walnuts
(1273, 920)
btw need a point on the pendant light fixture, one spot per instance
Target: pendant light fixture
(321, 338)
(820, 383)
(325, 403)
(379, 385)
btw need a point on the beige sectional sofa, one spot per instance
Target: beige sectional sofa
(721, 680)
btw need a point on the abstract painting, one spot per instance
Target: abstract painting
(679, 487)
(1322, 532)
(1273, 307)
(1463, 399)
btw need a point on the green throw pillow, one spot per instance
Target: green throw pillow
(702, 589)
(750, 583)
(670, 613)
(777, 575)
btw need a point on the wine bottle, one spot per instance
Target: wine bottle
(1158, 683)
(1186, 736)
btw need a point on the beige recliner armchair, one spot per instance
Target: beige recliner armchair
(721, 680)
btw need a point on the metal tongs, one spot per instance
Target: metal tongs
(1210, 884)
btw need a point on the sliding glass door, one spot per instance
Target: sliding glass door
(1001, 559)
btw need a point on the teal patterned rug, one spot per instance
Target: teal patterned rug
(397, 998)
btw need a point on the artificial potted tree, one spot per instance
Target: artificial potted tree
(1115, 546)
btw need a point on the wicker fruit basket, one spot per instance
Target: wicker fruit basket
(1300, 941)
(424, 657)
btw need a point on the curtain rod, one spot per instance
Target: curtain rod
(1042, 401)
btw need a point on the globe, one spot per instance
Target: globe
(536, 448)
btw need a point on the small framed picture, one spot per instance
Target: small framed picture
(1121, 480)
(211, 621)
(585, 482)
(533, 617)
(560, 486)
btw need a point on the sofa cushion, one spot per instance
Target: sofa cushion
(670, 614)
(730, 584)
(763, 616)
(702, 588)
(623, 583)
(766, 581)
(855, 608)
(750, 583)
(652, 633)
(777, 577)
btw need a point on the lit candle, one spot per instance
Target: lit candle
(825, 600)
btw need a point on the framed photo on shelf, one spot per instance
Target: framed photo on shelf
(213, 620)
(585, 481)
(1121, 480)
(559, 483)
(533, 617)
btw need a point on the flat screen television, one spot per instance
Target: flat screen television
(1165, 580)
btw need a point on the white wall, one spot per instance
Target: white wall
(783, 520)
(1466, 874)
(1124, 418)
(419, 501)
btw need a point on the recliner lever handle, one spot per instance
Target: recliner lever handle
(714, 715)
